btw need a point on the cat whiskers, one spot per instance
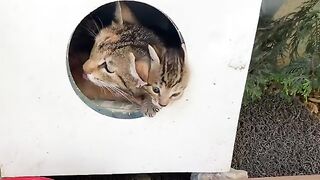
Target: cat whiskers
(100, 22)
(93, 31)
(123, 94)
(104, 89)
(90, 31)
(128, 97)
(96, 25)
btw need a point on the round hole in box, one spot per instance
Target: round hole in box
(82, 41)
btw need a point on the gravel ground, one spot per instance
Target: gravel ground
(276, 137)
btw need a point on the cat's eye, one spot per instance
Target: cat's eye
(156, 90)
(175, 94)
(105, 66)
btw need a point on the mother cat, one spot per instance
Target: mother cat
(126, 49)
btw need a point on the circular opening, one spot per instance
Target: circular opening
(101, 99)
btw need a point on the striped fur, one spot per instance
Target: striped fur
(173, 76)
(112, 47)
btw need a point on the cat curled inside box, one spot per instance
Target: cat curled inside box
(132, 61)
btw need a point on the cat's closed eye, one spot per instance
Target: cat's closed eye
(175, 94)
(105, 66)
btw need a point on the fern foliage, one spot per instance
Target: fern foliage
(295, 37)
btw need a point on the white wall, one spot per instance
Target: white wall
(47, 130)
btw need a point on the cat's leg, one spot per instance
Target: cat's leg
(148, 107)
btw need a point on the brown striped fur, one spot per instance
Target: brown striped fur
(137, 57)
(121, 62)
(174, 76)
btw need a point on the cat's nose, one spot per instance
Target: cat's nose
(88, 67)
(85, 76)
(163, 105)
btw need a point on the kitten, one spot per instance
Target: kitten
(173, 76)
(168, 79)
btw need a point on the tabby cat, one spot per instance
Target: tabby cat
(131, 60)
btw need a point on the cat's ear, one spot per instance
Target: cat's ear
(123, 14)
(184, 48)
(154, 72)
(153, 54)
(126, 14)
(118, 20)
(134, 72)
(142, 68)
(186, 69)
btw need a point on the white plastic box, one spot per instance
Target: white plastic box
(47, 130)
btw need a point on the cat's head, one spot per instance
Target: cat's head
(168, 82)
(107, 68)
(110, 71)
(121, 69)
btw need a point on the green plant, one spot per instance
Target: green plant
(294, 38)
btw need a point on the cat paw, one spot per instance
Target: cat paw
(150, 109)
